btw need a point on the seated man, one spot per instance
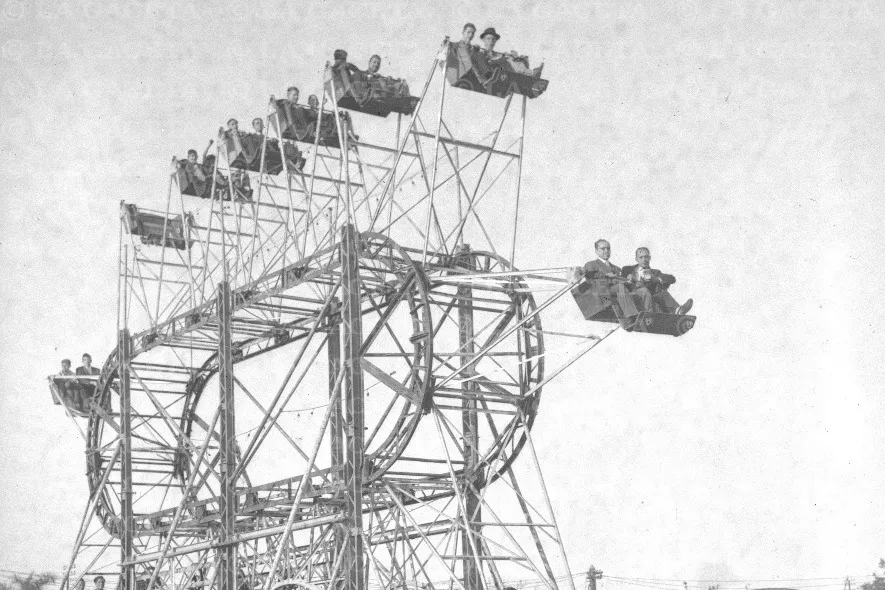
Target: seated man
(609, 284)
(258, 125)
(88, 385)
(374, 65)
(292, 95)
(650, 284)
(68, 389)
(191, 176)
(339, 61)
(467, 33)
(290, 114)
(230, 139)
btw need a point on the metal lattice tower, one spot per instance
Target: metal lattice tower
(333, 378)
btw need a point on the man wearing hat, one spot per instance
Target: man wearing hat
(487, 54)
(489, 37)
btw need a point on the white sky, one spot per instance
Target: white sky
(742, 143)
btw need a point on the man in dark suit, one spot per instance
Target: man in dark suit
(88, 385)
(608, 283)
(649, 286)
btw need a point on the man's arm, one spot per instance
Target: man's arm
(665, 279)
(206, 151)
(592, 270)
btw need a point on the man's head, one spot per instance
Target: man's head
(87, 362)
(339, 57)
(192, 156)
(99, 582)
(603, 249)
(489, 38)
(643, 257)
(258, 125)
(292, 94)
(374, 64)
(233, 124)
(313, 102)
(66, 364)
(468, 32)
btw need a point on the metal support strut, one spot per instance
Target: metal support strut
(336, 421)
(227, 554)
(351, 317)
(472, 579)
(124, 346)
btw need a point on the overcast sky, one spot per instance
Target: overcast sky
(742, 143)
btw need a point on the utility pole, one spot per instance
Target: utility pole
(593, 574)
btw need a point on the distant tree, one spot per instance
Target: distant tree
(32, 581)
(878, 582)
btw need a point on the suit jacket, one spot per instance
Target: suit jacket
(659, 281)
(595, 269)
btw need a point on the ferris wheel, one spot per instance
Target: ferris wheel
(338, 363)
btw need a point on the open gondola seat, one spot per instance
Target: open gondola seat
(595, 305)
(500, 75)
(372, 94)
(194, 180)
(68, 392)
(299, 123)
(248, 155)
(156, 229)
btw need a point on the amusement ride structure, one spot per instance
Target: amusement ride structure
(337, 365)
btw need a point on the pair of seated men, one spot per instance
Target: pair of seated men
(300, 122)
(633, 289)
(246, 148)
(339, 62)
(292, 96)
(76, 393)
(365, 84)
(486, 53)
(195, 178)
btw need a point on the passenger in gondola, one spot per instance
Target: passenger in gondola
(467, 34)
(69, 389)
(374, 65)
(344, 67)
(650, 284)
(258, 125)
(489, 38)
(484, 57)
(292, 95)
(313, 102)
(88, 385)
(230, 138)
(98, 582)
(610, 286)
(66, 368)
(511, 60)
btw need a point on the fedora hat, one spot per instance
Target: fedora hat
(490, 31)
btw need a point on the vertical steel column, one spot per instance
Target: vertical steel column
(469, 423)
(336, 420)
(124, 354)
(353, 565)
(227, 554)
